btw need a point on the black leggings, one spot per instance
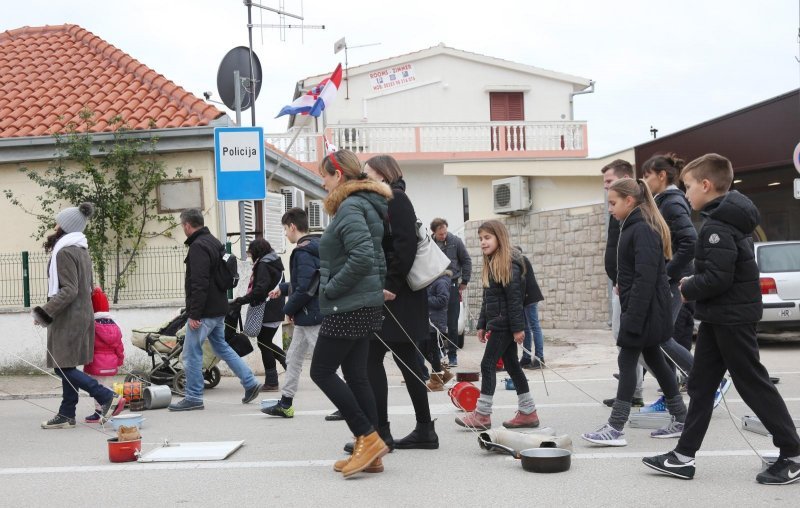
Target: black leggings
(501, 345)
(432, 352)
(353, 396)
(656, 363)
(270, 351)
(405, 354)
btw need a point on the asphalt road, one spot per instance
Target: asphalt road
(289, 462)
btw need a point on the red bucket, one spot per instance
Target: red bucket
(123, 451)
(464, 395)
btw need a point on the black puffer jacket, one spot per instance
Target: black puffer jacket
(675, 209)
(303, 262)
(726, 281)
(612, 239)
(267, 273)
(533, 294)
(646, 318)
(501, 308)
(204, 298)
(409, 308)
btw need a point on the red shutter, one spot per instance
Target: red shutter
(507, 107)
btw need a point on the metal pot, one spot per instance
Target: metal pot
(157, 396)
(539, 460)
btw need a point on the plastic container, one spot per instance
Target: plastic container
(123, 451)
(128, 420)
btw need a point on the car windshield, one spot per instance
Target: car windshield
(779, 258)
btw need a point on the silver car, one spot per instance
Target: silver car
(779, 263)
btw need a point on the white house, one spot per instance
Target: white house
(443, 107)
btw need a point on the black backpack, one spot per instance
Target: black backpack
(227, 273)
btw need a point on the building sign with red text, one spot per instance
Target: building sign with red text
(392, 77)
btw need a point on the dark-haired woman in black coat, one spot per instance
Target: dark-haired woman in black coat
(405, 321)
(267, 274)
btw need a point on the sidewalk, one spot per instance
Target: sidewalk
(564, 349)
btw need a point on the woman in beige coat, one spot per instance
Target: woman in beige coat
(69, 317)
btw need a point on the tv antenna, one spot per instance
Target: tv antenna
(341, 44)
(282, 26)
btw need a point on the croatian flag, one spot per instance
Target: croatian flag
(316, 99)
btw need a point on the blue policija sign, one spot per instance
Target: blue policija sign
(239, 161)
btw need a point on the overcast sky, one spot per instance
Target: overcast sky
(670, 64)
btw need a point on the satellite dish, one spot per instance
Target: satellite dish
(238, 59)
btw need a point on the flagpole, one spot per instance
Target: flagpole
(284, 153)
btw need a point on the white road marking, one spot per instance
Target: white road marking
(293, 464)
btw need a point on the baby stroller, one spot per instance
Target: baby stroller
(164, 345)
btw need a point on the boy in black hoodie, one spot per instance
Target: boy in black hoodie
(726, 289)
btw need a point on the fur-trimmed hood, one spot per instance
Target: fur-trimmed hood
(343, 191)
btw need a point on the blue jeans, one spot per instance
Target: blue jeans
(533, 330)
(192, 356)
(73, 379)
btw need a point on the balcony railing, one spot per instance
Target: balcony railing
(445, 140)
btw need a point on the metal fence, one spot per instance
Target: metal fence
(158, 275)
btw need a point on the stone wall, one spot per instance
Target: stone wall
(566, 248)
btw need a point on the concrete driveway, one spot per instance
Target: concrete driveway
(289, 462)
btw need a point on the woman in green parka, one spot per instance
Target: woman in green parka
(352, 275)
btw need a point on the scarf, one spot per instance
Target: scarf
(67, 240)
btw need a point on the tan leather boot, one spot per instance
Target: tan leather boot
(436, 384)
(447, 375)
(367, 449)
(375, 467)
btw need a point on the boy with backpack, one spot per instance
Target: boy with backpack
(302, 306)
(728, 295)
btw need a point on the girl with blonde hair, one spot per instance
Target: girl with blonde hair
(646, 317)
(501, 326)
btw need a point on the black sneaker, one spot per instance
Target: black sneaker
(609, 402)
(334, 417)
(671, 465)
(186, 405)
(59, 422)
(251, 394)
(782, 472)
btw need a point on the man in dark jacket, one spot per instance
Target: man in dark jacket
(612, 172)
(206, 305)
(302, 306)
(461, 267)
(726, 289)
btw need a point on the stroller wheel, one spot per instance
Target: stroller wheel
(179, 383)
(137, 375)
(212, 377)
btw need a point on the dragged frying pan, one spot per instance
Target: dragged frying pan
(539, 460)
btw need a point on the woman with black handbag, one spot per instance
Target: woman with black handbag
(405, 321)
(267, 274)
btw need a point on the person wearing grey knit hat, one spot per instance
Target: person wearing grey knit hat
(74, 219)
(69, 318)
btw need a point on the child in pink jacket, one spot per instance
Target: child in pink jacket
(109, 352)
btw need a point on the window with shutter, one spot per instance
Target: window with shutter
(273, 230)
(507, 107)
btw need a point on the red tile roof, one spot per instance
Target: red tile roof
(49, 74)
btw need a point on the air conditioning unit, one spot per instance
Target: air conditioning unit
(318, 218)
(511, 194)
(293, 198)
